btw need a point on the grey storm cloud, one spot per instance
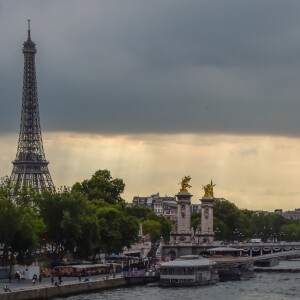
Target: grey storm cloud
(156, 66)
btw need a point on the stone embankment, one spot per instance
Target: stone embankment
(70, 288)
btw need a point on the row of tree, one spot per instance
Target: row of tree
(234, 224)
(91, 217)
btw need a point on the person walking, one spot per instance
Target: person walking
(6, 289)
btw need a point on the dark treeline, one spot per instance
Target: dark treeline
(91, 218)
(234, 224)
(87, 219)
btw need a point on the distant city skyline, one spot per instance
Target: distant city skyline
(156, 90)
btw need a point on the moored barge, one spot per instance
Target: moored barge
(188, 270)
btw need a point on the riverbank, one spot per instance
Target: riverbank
(263, 286)
(24, 291)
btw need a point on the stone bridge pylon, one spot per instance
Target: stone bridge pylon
(182, 233)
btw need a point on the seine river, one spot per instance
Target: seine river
(266, 285)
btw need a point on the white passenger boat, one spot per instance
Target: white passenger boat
(188, 271)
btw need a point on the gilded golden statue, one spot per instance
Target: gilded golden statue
(208, 190)
(185, 183)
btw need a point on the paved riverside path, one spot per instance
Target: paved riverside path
(27, 284)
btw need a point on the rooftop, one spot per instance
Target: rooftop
(200, 261)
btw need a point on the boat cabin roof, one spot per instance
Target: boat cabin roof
(197, 262)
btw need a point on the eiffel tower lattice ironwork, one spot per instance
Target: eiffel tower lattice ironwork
(30, 168)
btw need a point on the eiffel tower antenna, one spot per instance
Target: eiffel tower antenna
(28, 29)
(30, 168)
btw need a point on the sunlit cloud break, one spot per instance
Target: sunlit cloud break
(254, 172)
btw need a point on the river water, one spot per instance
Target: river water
(265, 285)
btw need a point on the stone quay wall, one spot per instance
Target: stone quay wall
(67, 289)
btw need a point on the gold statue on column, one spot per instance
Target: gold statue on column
(208, 190)
(185, 183)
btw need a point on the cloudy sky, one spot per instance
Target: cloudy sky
(155, 90)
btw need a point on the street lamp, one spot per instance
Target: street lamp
(217, 233)
(241, 236)
(271, 235)
(281, 235)
(293, 236)
(235, 235)
(261, 236)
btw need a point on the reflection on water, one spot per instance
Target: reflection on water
(271, 286)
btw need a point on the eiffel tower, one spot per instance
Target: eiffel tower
(30, 168)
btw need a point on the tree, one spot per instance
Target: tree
(154, 228)
(10, 225)
(102, 186)
(51, 211)
(195, 219)
(79, 224)
(145, 214)
(229, 218)
(140, 212)
(291, 231)
(19, 223)
(28, 237)
(71, 222)
(165, 227)
(116, 229)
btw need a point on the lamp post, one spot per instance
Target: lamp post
(217, 233)
(281, 236)
(293, 236)
(261, 236)
(270, 238)
(235, 235)
(241, 237)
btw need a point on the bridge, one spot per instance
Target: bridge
(257, 249)
(272, 259)
(274, 250)
(286, 254)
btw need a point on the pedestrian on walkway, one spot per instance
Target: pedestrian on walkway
(18, 276)
(56, 283)
(6, 289)
(87, 280)
(52, 280)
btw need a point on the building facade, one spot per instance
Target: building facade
(161, 205)
(290, 214)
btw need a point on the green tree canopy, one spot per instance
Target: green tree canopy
(101, 186)
(20, 225)
(116, 229)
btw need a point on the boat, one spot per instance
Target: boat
(230, 263)
(189, 270)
